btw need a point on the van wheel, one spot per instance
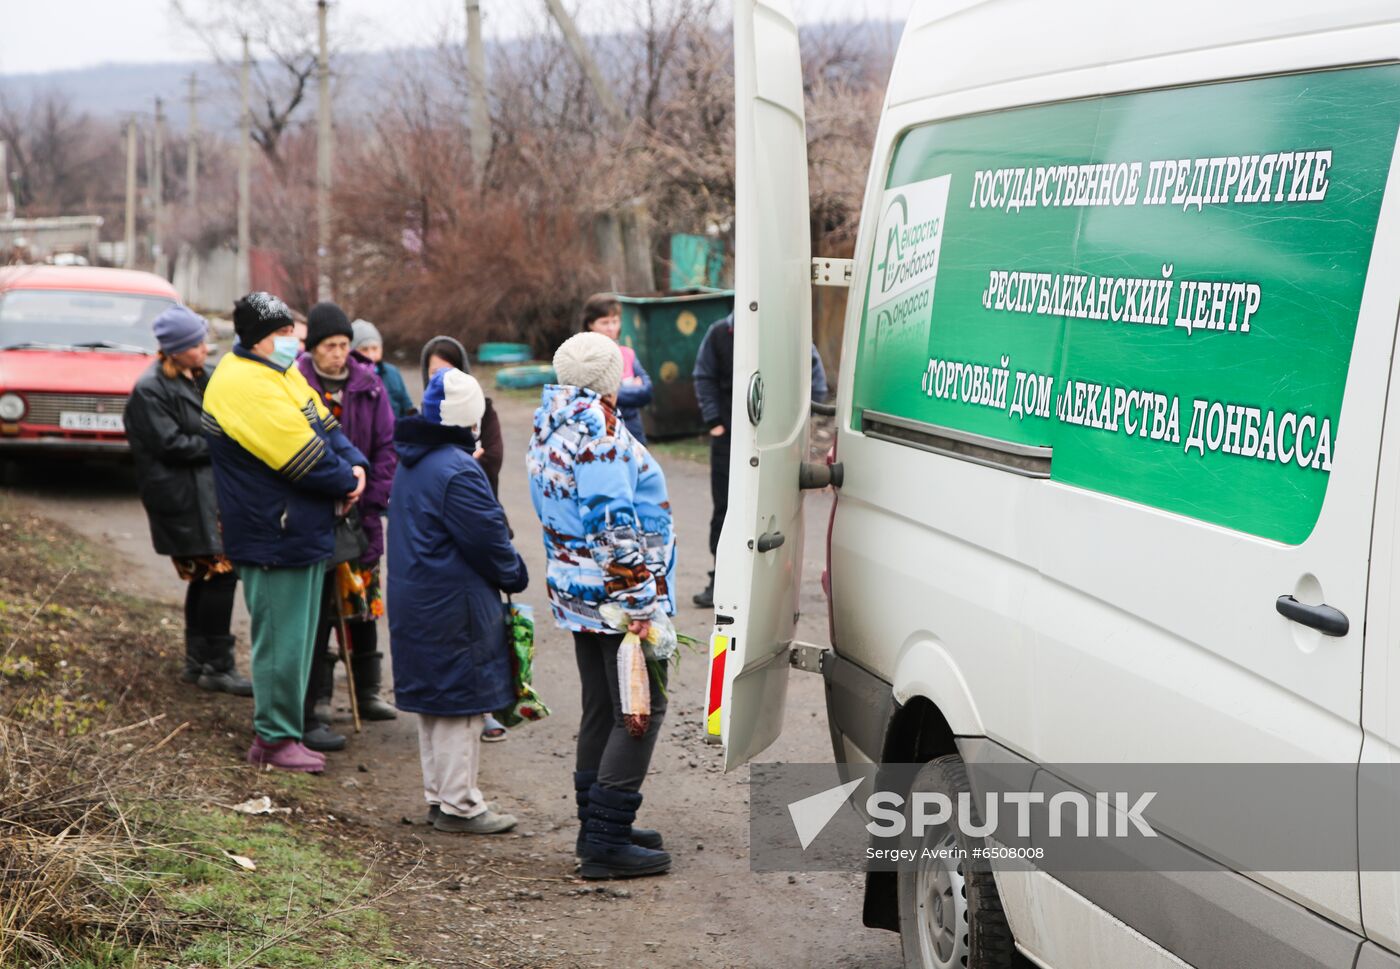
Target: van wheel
(950, 915)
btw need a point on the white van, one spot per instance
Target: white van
(1119, 471)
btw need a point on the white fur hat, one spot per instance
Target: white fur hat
(463, 400)
(591, 361)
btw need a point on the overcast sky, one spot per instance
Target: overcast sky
(52, 35)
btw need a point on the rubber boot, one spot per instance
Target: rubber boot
(706, 598)
(195, 648)
(316, 729)
(367, 666)
(608, 851)
(583, 780)
(219, 673)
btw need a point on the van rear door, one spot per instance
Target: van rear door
(759, 561)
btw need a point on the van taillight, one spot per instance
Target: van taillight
(826, 572)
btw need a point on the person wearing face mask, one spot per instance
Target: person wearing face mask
(354, 394)
(176, 481)
(282, 469)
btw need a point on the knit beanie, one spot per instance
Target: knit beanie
(326, 320)
(432, 397)
(258, 315)
(364, 332)
(463, 400)
(178, 329)
(591, 361)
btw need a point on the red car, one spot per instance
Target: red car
(73, 340)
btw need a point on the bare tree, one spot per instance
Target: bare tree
(283, 40)
(65, 161)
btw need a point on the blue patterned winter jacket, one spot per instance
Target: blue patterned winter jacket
(602, 500)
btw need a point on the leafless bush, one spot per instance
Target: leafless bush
(431, 255)
(69, 850)
(63, 160)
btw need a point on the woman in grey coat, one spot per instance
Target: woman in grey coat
(176, 480)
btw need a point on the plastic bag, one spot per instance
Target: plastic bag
(520, 640)
(634, 685)
(661, 642)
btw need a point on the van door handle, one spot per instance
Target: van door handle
(770, 540)
(1324, 618)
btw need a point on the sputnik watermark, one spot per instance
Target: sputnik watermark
(981, 819)
(810, 815)
(987, 804)
(892, 814)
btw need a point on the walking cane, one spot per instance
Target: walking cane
(343, 636)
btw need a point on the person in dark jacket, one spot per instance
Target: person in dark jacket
(450, 559)
(442, 352)
(353, 393)
(439, 353)
(282, 470)
(162, 418)
(714, 391)
(369, 344)
(602, 313)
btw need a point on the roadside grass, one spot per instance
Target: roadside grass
(116, 835)
(303, 906)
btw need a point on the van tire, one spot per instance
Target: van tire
(964, 927)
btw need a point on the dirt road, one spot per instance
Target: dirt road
(512, 900)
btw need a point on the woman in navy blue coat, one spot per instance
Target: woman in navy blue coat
(450, 558)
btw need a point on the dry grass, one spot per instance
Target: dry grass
(72, 873)
(116, 843)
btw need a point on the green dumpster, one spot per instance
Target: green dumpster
(666, 329)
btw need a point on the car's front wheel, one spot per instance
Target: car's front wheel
(950, 915)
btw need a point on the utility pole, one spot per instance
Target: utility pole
(7, 198)
(129, 256)
(245, 164)
(158, 191)
(148, 136)
(323, 158)
(610, 104)
(192, 147)
(476, 75)
(631, 224)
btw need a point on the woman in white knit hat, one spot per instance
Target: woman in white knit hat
(602, 500)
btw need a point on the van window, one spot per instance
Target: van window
(1159, 289)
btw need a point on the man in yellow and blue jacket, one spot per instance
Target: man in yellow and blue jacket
(282, 470)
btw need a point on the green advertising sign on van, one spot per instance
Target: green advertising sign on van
(1161, 288)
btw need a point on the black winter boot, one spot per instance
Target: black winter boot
(705, 599)
(195, 648)
(219, 673)
(367, 667)
(319, 736)
(583, 780)
(608, 851)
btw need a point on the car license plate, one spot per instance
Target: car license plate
(83, 421)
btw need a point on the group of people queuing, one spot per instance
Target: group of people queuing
(279, 468)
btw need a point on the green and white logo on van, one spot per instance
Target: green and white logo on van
(907, 245)
(1162, 287)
